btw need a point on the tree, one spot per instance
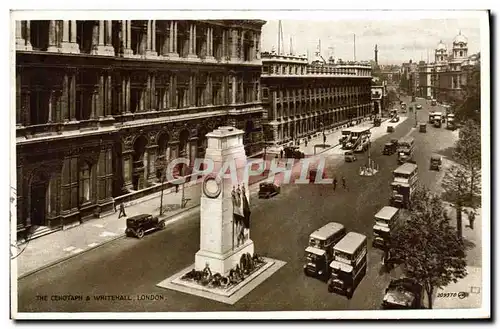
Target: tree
(470, 107)
(427, 246)
(403, 83)
(392, 98)
(468, 153)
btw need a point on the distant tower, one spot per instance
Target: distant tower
(376, 55)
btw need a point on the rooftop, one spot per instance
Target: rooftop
(350, 242)
(406, 168)
(327, 230)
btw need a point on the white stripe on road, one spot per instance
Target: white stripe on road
(76, 251)
(93, 244)
(98, 225)
(106, 234)
(69, 248)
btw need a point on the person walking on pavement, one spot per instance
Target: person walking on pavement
(334, 183)
(281, 153)
(344, 185)
(472, 218)
(122, 211)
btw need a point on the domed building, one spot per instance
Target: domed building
(445, 77)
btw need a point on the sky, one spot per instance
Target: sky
(398, 40)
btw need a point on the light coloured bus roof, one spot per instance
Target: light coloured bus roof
(359, 130)
(406, 139)
(387, 212)
(350, 242)
(316, 251)
(326, 231)
(438, 113)
(406, 168)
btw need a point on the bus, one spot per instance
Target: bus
(386, 220)
(319, 252)
(358, 139)
(405, 149)
(405, 179)
(349, 265)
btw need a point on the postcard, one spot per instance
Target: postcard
(250, 165)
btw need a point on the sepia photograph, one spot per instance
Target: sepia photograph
(250, 165)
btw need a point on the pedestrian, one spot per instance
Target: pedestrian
(334, 183)
(176, 188)
(305, 142)
(281, 153)
(324, 139)
(122, 211)
(344, 185)
(472, 218)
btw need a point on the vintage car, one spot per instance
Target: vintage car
(436, 162)
(268, 190)
(419, 107)
(349, 156)
(293, 152)
(395, 119)
(422, 127)
(390, 129)
(403, 294)
(390, 148)
(140, 224)
(377, 122)
(433, 102)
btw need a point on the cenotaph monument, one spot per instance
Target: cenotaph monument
(226, 266)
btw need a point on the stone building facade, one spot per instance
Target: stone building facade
(99, 104)
(302, 99)
(445, 77)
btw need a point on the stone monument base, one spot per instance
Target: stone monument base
(222, 263)
(229, 295)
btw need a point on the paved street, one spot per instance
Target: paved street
(280, 229)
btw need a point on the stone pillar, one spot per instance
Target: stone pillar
(19, 99)
(103, 48)
(109, 96)
(151, 159)
(101, 97)
(192, 41)
(223, 45)
(72, 96)
(234, 88)
(127, 170)
(52, 37)
(20, 43)
(126, 38)
(234, 44)
(65, 98)
(153, 92)
(151, 40)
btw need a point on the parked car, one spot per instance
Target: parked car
(433, 102)
(293, 152)
(140, 224)
(395, 119)
(390, 129)
(349, 156)
(403, 294)
(268, 190)
(419, 107)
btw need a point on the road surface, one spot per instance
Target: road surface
(280, 229)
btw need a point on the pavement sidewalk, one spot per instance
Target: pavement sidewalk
(44, 251)
(452, 296)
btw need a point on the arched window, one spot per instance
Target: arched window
(84, 182)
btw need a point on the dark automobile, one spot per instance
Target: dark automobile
(389, 148)
(436, 162)
(390, 129)
(140, 224)
(268, 190)
(403, 294)
(377, 122)
(293, 152)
